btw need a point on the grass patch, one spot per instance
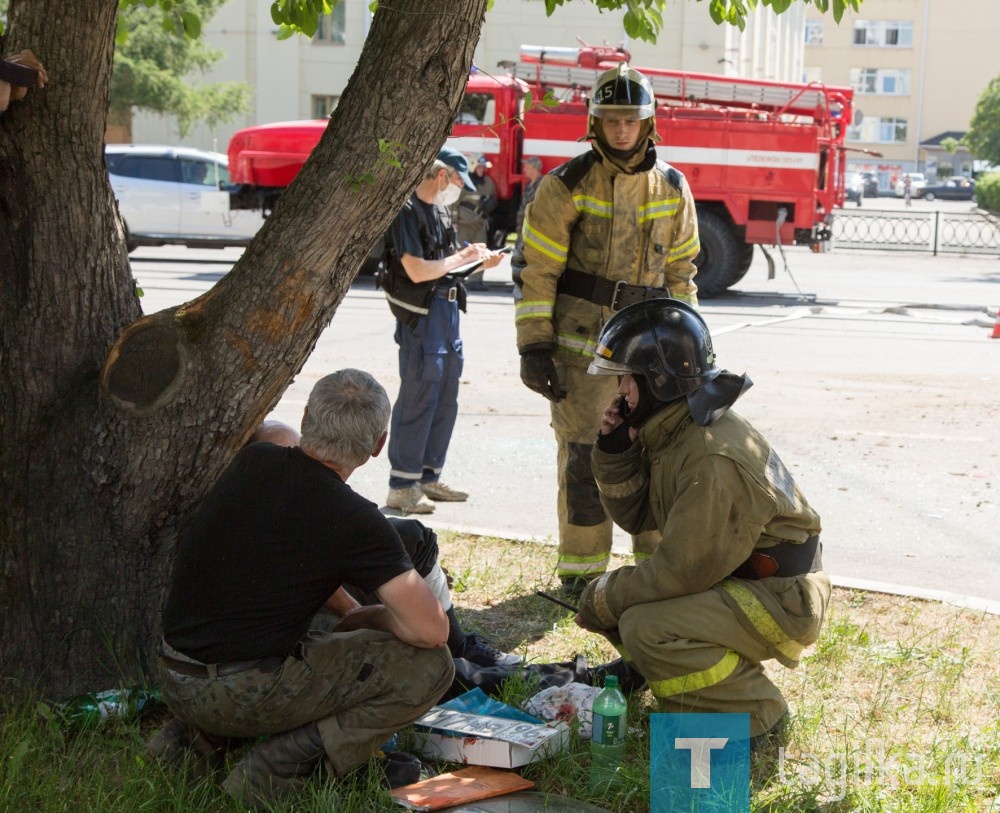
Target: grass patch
(894, 709)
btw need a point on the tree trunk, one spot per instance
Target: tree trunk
(113, 426)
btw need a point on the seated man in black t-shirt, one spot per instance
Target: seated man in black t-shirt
(274, 541)
(420, 542)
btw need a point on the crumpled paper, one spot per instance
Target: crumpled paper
(566, 703)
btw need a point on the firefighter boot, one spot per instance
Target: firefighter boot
(276, 768)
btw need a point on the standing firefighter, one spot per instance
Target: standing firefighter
(736, 577)
(609, 227)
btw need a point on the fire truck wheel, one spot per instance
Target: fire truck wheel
(721, 261)
(746, 258)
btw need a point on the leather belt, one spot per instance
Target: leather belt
(608, 293)
(201, 670)
(783, 559)
(451, 294)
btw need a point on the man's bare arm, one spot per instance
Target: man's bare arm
(414, 615)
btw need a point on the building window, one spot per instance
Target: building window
(812, 75)
(331, 26)
(323, 106)
(814, 32)
(875, 130)
(883, 33)
(882, 81)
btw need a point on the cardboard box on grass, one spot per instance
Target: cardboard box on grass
(478, 739)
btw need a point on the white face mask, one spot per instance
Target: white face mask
(449, 196)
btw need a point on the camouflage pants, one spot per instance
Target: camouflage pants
(359, 687)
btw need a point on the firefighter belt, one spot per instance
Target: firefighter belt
(608, 293)
(783, 559)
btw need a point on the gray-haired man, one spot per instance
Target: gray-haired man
(273, 542)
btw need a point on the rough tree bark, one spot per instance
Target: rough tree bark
(113, 425)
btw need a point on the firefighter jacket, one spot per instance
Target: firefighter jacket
(715, 494)
(591, 216)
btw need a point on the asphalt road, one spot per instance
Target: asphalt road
(875, 378)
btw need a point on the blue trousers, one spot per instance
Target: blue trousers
(423, 417)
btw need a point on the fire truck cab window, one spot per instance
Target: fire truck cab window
(477, 108)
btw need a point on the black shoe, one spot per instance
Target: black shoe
(394, 769)
(573, 587)
(477, 650)
(630, 679)
(775, 737)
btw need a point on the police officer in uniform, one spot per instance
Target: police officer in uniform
(736, 576)
(609, 227)
(425, 299)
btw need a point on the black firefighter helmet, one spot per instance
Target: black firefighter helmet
(667, 342)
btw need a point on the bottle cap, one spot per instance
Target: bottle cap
(611, 682)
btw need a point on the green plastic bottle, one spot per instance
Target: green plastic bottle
(607, 744)
(97, 707)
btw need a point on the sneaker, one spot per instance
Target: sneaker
(478, 651)
(442, 492)
(409, 500)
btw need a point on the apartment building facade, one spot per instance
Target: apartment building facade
(918, 68)
(302, 78)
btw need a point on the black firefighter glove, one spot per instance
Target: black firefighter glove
(538, 372)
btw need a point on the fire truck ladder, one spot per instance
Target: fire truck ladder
(814, 100)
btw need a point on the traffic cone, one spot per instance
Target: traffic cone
(996, 327)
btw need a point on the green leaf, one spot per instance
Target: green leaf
(276, 16)
(192, 24)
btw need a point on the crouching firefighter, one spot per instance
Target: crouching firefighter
(425, 297)
(736, 577)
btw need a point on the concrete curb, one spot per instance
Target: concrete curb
(955, 599)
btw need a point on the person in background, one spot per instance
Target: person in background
(471, 213)
(736, 577)
(533, 173)
(275, 541)
(421, 252)
(612, 226)
(487, 191)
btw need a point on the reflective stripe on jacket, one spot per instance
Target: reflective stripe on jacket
(589, 215)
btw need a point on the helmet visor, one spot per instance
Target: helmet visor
(601, 366)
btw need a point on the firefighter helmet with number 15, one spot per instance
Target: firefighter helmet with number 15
(622, 89)
(667, 342)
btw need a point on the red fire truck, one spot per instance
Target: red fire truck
(765, 160)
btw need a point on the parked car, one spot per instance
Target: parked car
(161, 197)
(870, 181)
(855, 189)
(917, 184)
(957, 187)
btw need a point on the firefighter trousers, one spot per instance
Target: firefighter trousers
(698, 656)
(584, 526)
